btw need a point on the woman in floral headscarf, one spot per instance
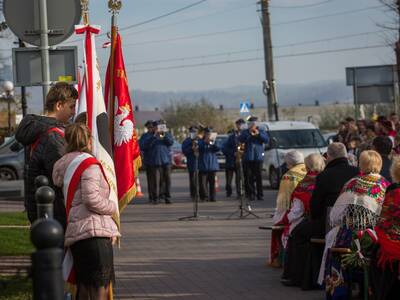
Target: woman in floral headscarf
(385, 280)
(357, 208)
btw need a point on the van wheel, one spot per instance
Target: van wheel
(7, 174)
(274, 178)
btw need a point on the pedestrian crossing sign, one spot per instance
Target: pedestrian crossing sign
(245, 107)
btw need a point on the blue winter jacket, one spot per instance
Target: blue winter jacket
(208, 160)
(187, 150)
(254, 145)
(159, 149)
(229, 148)
(145, 152)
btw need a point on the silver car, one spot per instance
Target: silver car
(11, 160)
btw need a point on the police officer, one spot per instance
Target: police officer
(230, 150)
(253, 139)
(146, 157)
(208, 165)
(158, 145)
(191, 150)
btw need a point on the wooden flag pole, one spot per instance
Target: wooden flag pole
(114, 7)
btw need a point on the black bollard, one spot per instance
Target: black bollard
(41, 180)
(44, 197)
(47, 236)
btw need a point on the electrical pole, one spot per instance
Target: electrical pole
(269, 87)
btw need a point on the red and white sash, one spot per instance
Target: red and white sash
(71, 181)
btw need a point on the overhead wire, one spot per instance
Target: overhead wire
(187, 37)
(258, 58)
(304, 5)
(254, 49)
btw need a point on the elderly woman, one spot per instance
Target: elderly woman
(296, 250)
(357, 208)
(297, 170)
(385, 274)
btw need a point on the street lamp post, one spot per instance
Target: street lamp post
(8, 88)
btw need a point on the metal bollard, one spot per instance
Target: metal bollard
(47, 237)
(44, 197)
(41, 180)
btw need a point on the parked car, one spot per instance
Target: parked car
(220, 141)
(285, 136)
(329, 137)
(178, 158)
(11, 160)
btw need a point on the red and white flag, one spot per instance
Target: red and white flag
(91, 100)
(125, 141)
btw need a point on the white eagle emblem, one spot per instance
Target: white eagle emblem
(123, 128)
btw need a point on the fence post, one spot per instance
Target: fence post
(47, 236)
(44, 197)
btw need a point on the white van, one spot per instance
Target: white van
(285, 136)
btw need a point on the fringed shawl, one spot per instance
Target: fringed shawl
(360, 202)
(288, 183)
(304, 190)
(388, 227)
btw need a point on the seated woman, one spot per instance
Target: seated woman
(357, 208)
(297, 170)
(91, 230)
(385, 280)
(295, 250)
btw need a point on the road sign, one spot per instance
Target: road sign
(245, 107)
(27, 65)
(22, 17)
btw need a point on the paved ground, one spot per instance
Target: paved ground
(163, 258)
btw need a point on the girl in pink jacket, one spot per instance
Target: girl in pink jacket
(91, 230)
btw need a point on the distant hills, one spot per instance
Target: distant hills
(326, 92)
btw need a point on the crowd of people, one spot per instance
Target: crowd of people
(337, 215)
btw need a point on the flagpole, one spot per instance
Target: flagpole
(114, 7)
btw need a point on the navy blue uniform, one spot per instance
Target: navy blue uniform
(146, 161)
(229, 148)
(208, 166)
(192, 164)
(160, 161)
(253, 158)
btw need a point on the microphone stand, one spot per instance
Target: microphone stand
(244, 209)
(195, 216)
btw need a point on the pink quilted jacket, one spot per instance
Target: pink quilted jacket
(91, 210)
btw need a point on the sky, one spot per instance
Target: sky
(144, 46)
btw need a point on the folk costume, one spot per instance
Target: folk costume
(385, 268)
(357, 208)
(296, 268)
(288, 184)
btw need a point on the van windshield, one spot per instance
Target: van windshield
(307, 138)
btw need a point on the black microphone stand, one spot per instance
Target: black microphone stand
(244, 209)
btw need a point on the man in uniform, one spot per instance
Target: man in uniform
(230, 150)
(146, 156)
(253, 139)
(158, 144)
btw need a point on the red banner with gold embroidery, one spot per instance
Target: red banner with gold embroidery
(125, 142)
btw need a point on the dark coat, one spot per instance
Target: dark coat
(254, 145)
(159, 149)
(229, 148)
(328, 187)
(51, 147)
(187, 150)
(145, 152)
(386, 165)
(208, 161)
